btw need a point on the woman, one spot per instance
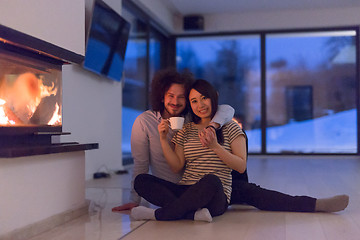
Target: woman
(206, 158)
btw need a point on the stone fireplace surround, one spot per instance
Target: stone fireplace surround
(47, 177)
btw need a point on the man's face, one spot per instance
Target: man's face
(174, 100)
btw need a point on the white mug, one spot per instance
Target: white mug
(176, 123)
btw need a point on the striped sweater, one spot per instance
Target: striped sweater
(200, 161)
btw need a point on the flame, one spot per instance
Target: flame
(56, 118)
(23, 99)
(47, 91)
(3, 118)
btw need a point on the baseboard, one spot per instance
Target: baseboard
(46, 224)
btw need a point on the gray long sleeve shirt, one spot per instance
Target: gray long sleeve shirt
(146, 148)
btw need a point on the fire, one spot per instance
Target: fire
(47, 91)
(3, 118)
(56, 118)
(26, 95)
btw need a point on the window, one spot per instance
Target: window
(232, 65)
(299, 103)
(310, 92)
(308, 86)
(156, 52)
(142, 59)
(135, 88)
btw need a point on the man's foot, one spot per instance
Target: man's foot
(333, 204)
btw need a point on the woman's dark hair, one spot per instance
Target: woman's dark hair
(161, 83)
(207, 90)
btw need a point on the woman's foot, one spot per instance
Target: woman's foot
(203, 215)
(142, 213)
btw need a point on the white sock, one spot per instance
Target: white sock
(203, 215)
(142, 213)
(332, 204)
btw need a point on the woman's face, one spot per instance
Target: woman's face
(200, 105)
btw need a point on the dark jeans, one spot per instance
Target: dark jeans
(181, 201)
(244, 192)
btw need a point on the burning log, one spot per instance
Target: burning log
(11, 117)
(44, 110)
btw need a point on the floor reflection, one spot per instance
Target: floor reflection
(101, 222)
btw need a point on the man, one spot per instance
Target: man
(168, 98)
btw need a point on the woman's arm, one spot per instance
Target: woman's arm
(235, 160)
(175, 159)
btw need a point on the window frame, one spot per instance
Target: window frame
(262, 34)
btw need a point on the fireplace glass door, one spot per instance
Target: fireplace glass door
(30, 91)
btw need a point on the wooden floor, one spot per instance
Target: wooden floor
(315, 176)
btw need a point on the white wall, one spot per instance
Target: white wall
(160, 13)
(57, 22)
(92, 113)
(283, 20)
(37, 187)
(261, 20)
(91, 104)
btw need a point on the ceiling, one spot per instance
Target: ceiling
(202, 7)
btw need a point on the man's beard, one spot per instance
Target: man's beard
(173, 113)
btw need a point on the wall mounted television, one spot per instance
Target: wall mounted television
(106, 43)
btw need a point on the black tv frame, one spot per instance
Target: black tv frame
(115, 38)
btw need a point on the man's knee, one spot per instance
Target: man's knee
(140, 181)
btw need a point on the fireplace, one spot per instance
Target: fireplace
(30, 92)
(31, 95)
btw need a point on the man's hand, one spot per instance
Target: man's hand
(163, 128)
(214, 124)
(127, 206)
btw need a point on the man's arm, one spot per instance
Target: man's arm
(175, 159)
(223, 115)
(141, 154)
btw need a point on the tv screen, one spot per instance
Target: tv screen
(106, 42)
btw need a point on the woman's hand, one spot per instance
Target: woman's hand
(163, 128)
(208, 138)
(175, 158)
(235, 160)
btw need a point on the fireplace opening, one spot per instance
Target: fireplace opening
(30, 92)
(30, 98)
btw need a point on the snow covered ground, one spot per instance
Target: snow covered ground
(335, 133)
